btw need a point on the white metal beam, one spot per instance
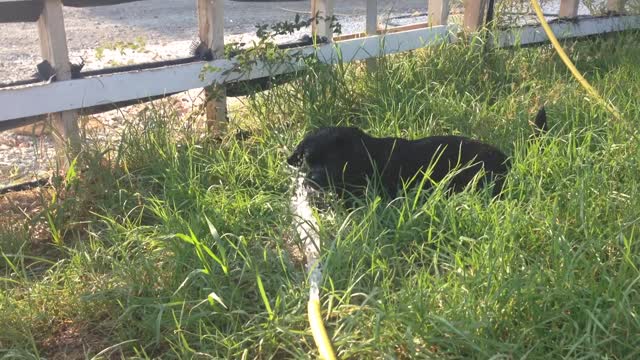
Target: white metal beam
(87, 92)
(74, 94)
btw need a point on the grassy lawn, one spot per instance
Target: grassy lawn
(158, 249)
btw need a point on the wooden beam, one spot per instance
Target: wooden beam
(438, 12)
(474, 12)
(616, 6)
(534, 34)
(350, 36)
(323, 9)
(397, 29)
(16, 123)
(569, 8)
(211, 31)
(391, 30)
(53, 47)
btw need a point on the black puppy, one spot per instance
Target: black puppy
(346, 157)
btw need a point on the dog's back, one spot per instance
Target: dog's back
(347, 157)
(437, 155)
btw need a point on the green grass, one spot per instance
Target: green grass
(162, 254)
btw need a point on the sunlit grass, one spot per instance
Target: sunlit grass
(185, 249)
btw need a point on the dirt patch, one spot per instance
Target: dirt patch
(24, 230)
(21, 212)
(73, 340)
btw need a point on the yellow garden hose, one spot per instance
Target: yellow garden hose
(567, 61)
(318, 331)
(307, 230)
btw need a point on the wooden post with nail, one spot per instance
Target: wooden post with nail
(53, 47)
(371, 28)
(321, 27)
(474, 11)
(211, 31)
(569, 8)
(438, 12)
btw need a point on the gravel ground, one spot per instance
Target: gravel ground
(166, 30)
(167, 26)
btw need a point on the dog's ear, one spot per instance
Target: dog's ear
(296, 157)
(541, 121)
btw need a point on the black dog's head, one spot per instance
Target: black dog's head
(333, 156)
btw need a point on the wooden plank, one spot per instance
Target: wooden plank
(102, 90)
(211, 31)
(15, 123)
(421, 25)
(534, 34)
(323, 9)
(616, 6)
(234, 89)
(569, 8)
(361, 49)
(474, 11)
(389, 30)
(53, 47)
(91, 91)
(438, 12)
(350, 36)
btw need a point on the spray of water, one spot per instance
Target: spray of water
(307, 229)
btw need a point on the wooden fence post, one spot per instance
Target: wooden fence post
(211, 31)
(474, 11)
(569, 8)
(324, 10)
(53, 47)
(372, 17)
(616, 6)
(438, 12)
(371, 28)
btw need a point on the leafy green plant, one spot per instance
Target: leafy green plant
(265, 49)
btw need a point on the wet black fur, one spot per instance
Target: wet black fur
(346, 158)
